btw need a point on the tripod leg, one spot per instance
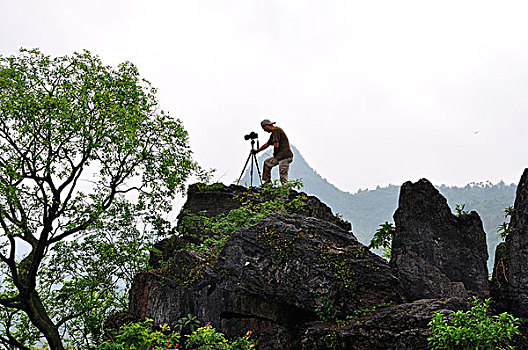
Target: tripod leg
(245, 165)
(251, 172)
(258, 170)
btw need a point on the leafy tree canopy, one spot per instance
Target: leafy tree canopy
(85, 153)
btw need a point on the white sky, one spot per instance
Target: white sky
(370, 92)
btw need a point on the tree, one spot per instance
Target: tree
(84, 149)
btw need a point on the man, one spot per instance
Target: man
(282, 154)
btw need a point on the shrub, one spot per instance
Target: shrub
(382, 239)
(142, 335)
(282, 199)
(473, 329)
(208, 338)
(460, 210)
(505, 228)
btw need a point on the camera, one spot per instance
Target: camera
(251, 136)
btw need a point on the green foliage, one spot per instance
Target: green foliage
(504, 229)
(459, 209)
(220, 224)
(244, 343)
(188, 324)
(214, 231)
(473, 329)
(325, 310)
(368, 310)
(382, 239)
(209, 234)
(210, 187)
(22, 330)
(282, 245)
(332, 340)
(219, 227)
(278, 189)
(142, 335)
(208, 338)
(337, 262)
(100, 268)
(85, 155)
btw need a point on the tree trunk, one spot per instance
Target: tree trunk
(39, 317)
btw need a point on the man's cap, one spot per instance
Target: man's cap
(266, 122)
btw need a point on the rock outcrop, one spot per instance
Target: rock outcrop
(398, 327)
(219, 199)
(270, 278)
(436, 254)
(301, 280)
(510, 274)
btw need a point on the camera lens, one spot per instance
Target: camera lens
(252, 135)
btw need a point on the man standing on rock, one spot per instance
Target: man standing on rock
(282, 154)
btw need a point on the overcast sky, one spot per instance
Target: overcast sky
(370, 92)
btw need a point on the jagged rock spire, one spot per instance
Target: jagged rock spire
(435, 253)
(510, 274)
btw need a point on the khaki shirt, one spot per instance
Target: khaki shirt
(284, 151)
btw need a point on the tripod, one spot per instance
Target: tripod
(254, 163)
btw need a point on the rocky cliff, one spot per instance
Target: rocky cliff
(279, 263)
(510, 274)
(435, 253)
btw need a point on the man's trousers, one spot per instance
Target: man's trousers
(284, 167)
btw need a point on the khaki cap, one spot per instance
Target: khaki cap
(266, 122)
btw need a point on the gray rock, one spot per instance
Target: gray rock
(399, 327)
(269, 278)
(217, 199)
(510, 274)
(435, 253)
(500, 279)
(220, 199)
(279, 277)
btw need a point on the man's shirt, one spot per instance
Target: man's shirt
(284, 151)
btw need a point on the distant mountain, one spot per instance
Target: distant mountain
(367, 209)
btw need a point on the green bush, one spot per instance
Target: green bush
(255, 206)
(473, 329)
(460, 210)
(208, 338)
(505, 228)
(382, 239)
(142, 335)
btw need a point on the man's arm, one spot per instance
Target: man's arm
(266, 145)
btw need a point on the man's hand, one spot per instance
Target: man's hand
(254, 151)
